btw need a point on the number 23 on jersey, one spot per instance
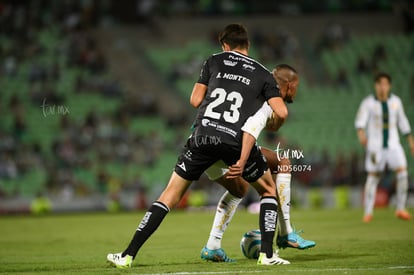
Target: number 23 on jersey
(220, 96)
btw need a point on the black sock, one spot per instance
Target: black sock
(267, 220)
(147, 226)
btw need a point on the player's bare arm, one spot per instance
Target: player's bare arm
(270, 156)
(362, 137)
(410, 140)
(198, 94)
(236, 169)
(279, 116)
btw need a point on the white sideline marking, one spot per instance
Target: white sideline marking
(292, 270)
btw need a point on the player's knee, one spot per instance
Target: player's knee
(240, 189)
(374, 174)
(168, 201)
(402, 175)
(269, 192)
(237, 187)
(265, 186)
(401, 170)
(174, 191)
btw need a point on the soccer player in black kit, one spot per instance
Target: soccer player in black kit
(231, 88)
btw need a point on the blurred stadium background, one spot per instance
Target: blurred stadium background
(94, 94)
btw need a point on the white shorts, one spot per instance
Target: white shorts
(217, 170)
(394, 158)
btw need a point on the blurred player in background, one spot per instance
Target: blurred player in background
(288, 81)
(231, 88)
(377, 122)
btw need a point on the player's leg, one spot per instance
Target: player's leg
(287, 237)
(283, 180)
(402, 189)
(397, 161)
(374, 164)
(226, 207)
(266, 188)
(260, 178)
(151, 220)
(370, 191)
(186, 170)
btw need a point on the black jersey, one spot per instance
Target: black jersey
(237, 87)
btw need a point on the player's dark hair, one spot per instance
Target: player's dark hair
(235, 35)
(379, 76)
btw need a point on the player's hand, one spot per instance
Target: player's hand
(363, 140)
(236, 170)
(274, 123)
(362, 137)
(411, 145)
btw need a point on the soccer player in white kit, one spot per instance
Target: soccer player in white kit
(377, 122)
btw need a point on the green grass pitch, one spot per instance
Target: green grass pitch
(78, 244)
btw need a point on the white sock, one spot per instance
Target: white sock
(402, 188)
(283, 190)
(225, 211)
(370, 192)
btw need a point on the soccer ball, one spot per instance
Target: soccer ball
(250, 244)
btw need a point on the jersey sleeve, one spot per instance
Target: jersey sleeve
(362, 116)
(205, 72)
(402, 120)
(256, 123)
(270, 88)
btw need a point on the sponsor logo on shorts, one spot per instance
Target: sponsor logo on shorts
(251, 172)
(251, 175)
(188, 155)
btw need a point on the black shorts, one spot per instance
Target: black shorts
(201, 152)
